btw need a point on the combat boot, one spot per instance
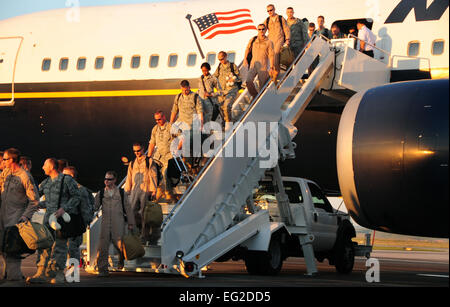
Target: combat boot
(60, 278)
(39, 277)
(50, 271)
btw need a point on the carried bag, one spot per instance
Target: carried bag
(153, 215)
(13, 244)
(286, 57)
(132, 247)
(250, 54)
(76, 227)
(35, 235)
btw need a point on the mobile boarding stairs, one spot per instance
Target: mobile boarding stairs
(215, 213)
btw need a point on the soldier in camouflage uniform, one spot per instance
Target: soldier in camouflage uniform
(228, 75)
(161, 138)
(299, 32)
(56, 257)
(185, 105)
(75, 242)
(19, 199)
(209, 98)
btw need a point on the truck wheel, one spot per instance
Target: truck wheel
(265, 263)
(345, 256)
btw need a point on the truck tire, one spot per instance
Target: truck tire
(265, 263)
(345, 256)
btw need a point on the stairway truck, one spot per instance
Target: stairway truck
(302, 224)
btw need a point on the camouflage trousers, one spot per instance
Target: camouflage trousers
(207, 110)
(54, 257)
(74, 247)
(226, 103)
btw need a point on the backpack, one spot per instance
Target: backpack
(87, 206)
(122, 197)
(250, 54)
(238, 83)
(280, 19)
(76, 227)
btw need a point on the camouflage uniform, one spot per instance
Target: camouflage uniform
(162, 138)
(56, 257)
(17, 191)
(211, 83)
(141, 182)
(325, 32)
(186, 107)
(299, 35)
(74, 243)
(229, 93)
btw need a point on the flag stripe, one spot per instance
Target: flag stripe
(227, 25)
(230, 31)
(232, 12)
(234, 17)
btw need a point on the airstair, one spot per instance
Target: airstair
(215, 214)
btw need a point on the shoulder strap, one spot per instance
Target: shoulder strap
(232, 68)
(267, 23)
(102, 194)
(203, 82)
(204, 88)
(60, 191)
(122, 197)
(280, 18)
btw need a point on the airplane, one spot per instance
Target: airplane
(82, 83)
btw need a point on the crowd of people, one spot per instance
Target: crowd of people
(148, 176)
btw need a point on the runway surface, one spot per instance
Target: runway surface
(397, 269)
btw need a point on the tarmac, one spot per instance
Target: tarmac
(396, 269)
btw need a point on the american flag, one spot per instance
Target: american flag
(218, 23)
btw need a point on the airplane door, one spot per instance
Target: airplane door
(9, 52)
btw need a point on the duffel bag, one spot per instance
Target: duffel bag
(153, 215)
(76, 227)
(286, 57)
(35, 235)
(132, 247)
(13, 244)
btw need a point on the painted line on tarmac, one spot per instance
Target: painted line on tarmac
(431, 275)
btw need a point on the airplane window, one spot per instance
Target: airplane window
(63, 64)
(173, 60)
(99, 62)
(154, 60)
(46, 64)
(81, 64)
(231, 56)
(211, 58)
(438, 47)
(117, 62)
(135, 61)
(192, 59)
(413, 48)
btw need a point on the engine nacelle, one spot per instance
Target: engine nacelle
(392, 158)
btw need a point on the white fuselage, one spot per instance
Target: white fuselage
(162, 29)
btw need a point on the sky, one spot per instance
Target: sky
(12, 8)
